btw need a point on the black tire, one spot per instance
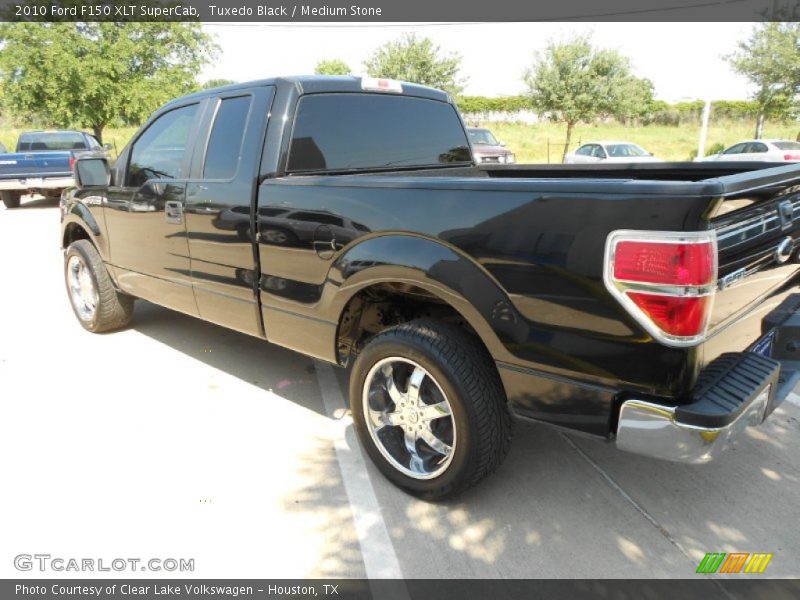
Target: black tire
(11, 199)
(113, 309)
(465, 373)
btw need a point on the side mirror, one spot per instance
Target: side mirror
(503, 144)
(92, 173)
(108, 146)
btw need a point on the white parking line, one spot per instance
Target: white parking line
(380, 560)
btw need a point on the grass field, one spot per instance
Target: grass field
(529, 142)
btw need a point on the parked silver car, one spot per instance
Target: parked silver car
(609, 151)
(761, 150)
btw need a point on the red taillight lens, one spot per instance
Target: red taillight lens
(665, 280)
(791, 157)
(664, 263)
(71, 162)
(674, 315)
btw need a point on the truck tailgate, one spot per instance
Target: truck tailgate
(757, 221)
(35, 164)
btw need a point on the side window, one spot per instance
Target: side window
(271, 212)
(737, 149)
(317, 217)
(584, 151)
(159, 151)
(598, 152)
(93, 143)
(757, 147)
(225, 142)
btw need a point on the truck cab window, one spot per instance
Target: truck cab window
(372, 131)
(159, 151)
(225, 143)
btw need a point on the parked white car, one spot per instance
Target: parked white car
(761, 150)
(610, 152)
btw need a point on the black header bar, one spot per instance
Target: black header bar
(393, 11)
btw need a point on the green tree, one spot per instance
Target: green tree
(770, 59)
(215, 83)
(576, 82)
(417, 61)
(332, 67)
(91, 74)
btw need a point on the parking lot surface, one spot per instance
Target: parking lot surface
(180, 439)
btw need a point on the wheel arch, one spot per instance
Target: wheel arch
(423, 278)
(78, 223)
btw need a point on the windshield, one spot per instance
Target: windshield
(787, 145)
(482, 137)
(62, 140)
(623, 150)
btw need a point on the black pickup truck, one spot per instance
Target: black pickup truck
(652, 305)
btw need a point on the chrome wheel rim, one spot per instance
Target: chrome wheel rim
(82, 290)
(409, 417)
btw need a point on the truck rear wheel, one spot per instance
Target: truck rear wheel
(97, 304)
(429, 408)
(11, 199)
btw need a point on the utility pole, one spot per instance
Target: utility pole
(701, 144)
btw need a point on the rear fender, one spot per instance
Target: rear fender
(438, 269)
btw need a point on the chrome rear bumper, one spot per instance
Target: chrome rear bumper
(733, 392)
(653, 430)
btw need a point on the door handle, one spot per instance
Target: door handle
(173, 211)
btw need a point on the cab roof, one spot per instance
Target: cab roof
(321, 84)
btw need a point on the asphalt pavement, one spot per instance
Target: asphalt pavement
(180, 439)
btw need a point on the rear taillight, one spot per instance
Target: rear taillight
(71, 162)
(665, 280)
(791, 157)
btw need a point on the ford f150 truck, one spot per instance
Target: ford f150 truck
(43, 163)
(652, 305)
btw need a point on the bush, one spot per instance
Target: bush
(691, 112)
(713, 149)
(482, 104)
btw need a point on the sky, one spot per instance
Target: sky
(684, 60)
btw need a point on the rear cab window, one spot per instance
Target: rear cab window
(341, 132)
(47, 140)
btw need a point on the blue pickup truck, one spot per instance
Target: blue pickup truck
(42, 163)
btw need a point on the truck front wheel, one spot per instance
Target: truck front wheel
(429, 408)
(97, 304)
(10, 198)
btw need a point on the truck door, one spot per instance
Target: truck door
(219, 200)
(144, 212)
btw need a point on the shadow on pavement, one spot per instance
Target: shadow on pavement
(34, 202)
(272, 368)
(548, 505)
